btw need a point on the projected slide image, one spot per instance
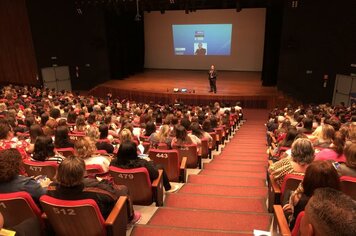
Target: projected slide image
(202, 39)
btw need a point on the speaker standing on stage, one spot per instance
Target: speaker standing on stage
(212, 78)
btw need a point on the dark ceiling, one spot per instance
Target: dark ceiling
(164, 5)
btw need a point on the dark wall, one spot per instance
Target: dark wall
(75, 39)
(273, 30)
(318, 37)
(17, 55)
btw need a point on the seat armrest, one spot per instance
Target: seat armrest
(157, 189)
(274, 193)
(116, 222)
(183, 170)
(280, 225)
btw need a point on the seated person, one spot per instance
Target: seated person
(61, 138)
(349, 167)
(10, 179)
(127, 158)
(183, 138)
(163, 136)
(335, 151)
(44, 150)
(329, 212)
(319, 174)
(6, 140)
(104, 145)
(85, 149)
(71, 185)
(302, 154)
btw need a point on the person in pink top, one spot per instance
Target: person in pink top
(336, 150)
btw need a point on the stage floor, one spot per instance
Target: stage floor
(158, 85)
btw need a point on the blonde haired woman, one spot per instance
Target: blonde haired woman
(85, 149)
(163, 136)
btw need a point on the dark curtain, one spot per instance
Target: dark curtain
(273, 31)
(125, 38)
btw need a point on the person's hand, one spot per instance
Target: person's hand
(287, 209)
(43, 181)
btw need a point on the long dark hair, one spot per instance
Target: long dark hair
(44, 148)
(126, 153)
(61, 137)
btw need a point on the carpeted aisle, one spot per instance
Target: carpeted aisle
(228, 197)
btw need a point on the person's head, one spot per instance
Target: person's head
(164, 133)
(290, 137)
(185, 122)
(329, 212)
(84, 148)
(5, 130)
(350, 154)
(212, 67)
(200, 45)
(50, 127)
(196, 130)
(308, 123)
(150, 128)
(320, 174)
(302, 151)
(55, 113)
(71, 117)
(61, 136)
(125, 135)
(80, 121)
(327, 132)
(338, 142)
(127, 151)
(10, 164)
(44, 148)
(104, 131)
(181, 132)
(207, 125)
(35, 131)
(44, 118)
(71, 172)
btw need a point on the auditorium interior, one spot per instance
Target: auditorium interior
(83, 81)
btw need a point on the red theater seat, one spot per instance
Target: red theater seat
(83, 217)
(142, 191)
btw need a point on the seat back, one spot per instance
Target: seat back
(290, 183)
(189, 151)
(73, 217)
(169, 160)
(295, 231)
(138, 182)
(94, 169)
(65, 151)
(35, 168)
(348, 186)
(204, 150)
(17, 207)
(213, 142)
(162, 146)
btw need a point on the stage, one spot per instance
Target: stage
(157, 86)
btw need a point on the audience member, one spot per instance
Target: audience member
(70, 184)
(12, 181)
(329, 212)
(349, 167)
(302, 154)
(319, 174)
(127, 158)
